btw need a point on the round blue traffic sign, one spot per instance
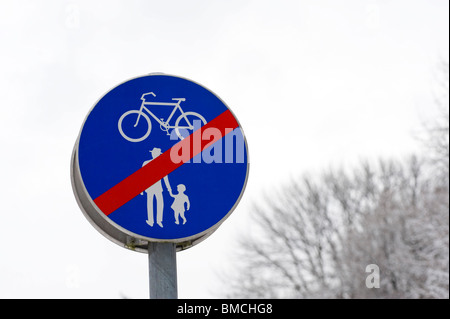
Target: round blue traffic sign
(159, 158)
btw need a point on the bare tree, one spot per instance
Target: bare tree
(437, 132)
(315, 237)
(318, 237)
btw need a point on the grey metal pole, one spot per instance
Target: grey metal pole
(162, 261)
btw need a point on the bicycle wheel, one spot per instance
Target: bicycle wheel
(134, 128)
(184, 125)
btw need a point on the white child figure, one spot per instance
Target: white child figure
(178, 204)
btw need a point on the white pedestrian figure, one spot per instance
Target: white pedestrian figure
(178, 204)
(156, 191)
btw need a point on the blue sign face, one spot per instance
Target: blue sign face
(162, 158)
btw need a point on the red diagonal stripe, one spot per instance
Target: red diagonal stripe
(159, 167)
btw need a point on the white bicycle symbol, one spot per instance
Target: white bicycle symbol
(180, 126)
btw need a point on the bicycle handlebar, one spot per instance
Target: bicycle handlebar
(145, 94)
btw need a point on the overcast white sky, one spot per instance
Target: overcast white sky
(314, 83)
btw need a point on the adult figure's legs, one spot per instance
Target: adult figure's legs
(159, 208)
(150, 219)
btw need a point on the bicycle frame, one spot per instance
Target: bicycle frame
(166, 123)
